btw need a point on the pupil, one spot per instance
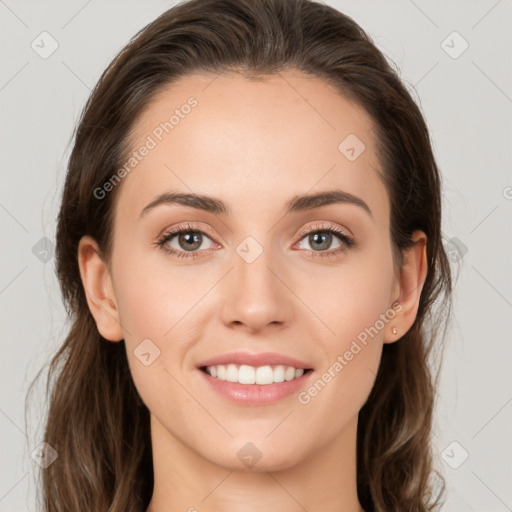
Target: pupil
(192, 241)
(319, 239)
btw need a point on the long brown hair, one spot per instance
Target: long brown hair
(96, 420)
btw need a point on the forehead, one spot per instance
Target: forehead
(249, 141)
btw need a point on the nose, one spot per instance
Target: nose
(256, 295)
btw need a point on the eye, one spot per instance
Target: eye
(187, 241)
(321, 239)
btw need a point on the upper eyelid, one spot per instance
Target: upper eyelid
(323, 225)
(174, 230)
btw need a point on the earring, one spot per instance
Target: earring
(394, 330)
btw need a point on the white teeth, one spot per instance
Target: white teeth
(289, 374)
(246, 375)
(262, 375)
(232, 373)
(279, 373)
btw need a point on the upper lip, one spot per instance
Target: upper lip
(256, 360)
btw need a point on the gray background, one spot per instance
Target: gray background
(467, 102)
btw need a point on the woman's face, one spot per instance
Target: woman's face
(257, 270)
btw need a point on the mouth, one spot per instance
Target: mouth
(251, 379)
(260, 375)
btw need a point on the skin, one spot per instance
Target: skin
(253, 143)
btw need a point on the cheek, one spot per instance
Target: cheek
(156, 306)
(154, 296)
(142, 309)
(149, 312)
(352, 354)
(352, 298)
(356, 309)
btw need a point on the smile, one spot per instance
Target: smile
(262, 375)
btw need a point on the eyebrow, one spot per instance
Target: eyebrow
(295, 204)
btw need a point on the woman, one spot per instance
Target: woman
(250, 248)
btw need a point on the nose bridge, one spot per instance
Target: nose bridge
(256, 296)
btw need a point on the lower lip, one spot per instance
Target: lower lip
(256, 394)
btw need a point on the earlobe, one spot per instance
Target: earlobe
(413, 273)
(97, 284)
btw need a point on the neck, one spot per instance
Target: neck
(184, 480)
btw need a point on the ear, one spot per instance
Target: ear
(98, 289)
(408, 287)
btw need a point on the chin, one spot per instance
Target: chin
(257, 457)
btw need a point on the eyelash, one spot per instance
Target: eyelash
(169, 235)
